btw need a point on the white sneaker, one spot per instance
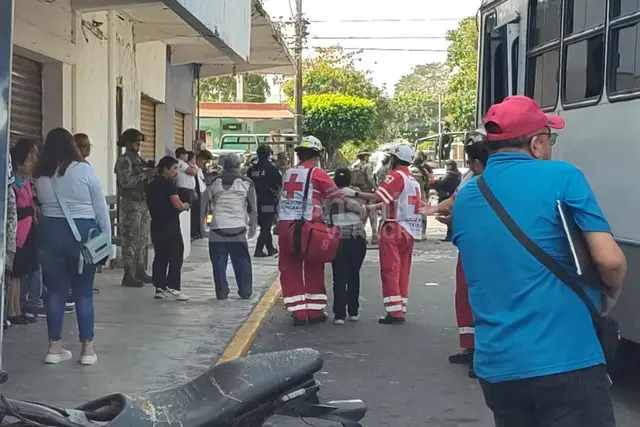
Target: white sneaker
(161, 294)
(354, 318)
(338, 322)
(57, 353)
(176, 295)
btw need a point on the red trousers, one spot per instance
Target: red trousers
(302, 282)
(396, 252)
(464, 317)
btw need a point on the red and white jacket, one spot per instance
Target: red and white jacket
(401, 193)
(321, 187)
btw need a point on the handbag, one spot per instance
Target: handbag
(607, 329)
(313, 240)
(96, 249)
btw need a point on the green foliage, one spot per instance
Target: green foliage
(350, 149)
(415, 103)
(214, 89)
(336, 119)
(462, 59)
(334, 71)
(431, 78)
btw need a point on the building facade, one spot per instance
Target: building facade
(102, 66)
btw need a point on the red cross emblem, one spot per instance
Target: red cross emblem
(292, 186)
(415, 201)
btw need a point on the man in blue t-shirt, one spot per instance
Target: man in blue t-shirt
(537, 355)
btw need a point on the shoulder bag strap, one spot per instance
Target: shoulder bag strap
(305, 196)
(65, 211)
(544, 258)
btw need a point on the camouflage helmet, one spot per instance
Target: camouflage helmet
(130, 136)
(363, 153)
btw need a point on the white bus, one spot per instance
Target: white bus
(579, 59)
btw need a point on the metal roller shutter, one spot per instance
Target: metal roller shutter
(26, 99)
(148, 128)
(178, 130)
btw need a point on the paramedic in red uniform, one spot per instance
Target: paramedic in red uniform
(477, 155)
(401, 225)
(302, 281)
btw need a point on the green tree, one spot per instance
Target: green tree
(416, 115)
(415, 101)
(431, 78)
(334, 70)
(336, 119)
(213, 89)
(462, 59)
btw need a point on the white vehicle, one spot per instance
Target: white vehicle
(578, 59)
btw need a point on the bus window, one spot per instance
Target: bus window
(543, 63)
(495, 80)
(545, 22)
(583, 67)
(583, 14)
(623, 7)
(624, 52)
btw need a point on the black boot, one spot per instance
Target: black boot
(142, 275)
(260, 254)
(272, 251)
(391, 320)
(129, 280)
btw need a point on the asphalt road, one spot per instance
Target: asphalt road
(401, 372)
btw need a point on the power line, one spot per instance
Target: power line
(319, 21)
(380, 38)
(383, 49)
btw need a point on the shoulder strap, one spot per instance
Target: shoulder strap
(305, 195)
(65, 210)
(544, 258)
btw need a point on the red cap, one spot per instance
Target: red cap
(518, 116)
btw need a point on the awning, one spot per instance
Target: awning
(213, 29)
(269, 54)
(244, 111)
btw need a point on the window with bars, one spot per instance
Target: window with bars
(583, 55)
(624, 48)
(543, 53)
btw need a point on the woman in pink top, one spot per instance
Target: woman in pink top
(25, 261)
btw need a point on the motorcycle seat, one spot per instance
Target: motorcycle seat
(228, 389)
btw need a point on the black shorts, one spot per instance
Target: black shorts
(26, 259)
(573, 399)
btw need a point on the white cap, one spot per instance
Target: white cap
(311, 142)
(404, 152)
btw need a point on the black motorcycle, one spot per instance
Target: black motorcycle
(241, 393)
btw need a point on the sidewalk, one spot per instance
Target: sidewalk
(141, 343)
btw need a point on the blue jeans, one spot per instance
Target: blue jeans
(59, 255)
(31, 291)
(219, 252)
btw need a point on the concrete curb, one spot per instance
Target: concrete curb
(246, 335)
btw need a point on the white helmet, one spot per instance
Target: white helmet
(404, 152)
(311, 142)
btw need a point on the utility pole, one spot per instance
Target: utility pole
(240, 88)
(300, 30)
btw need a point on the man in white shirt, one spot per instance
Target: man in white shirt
(186, 179)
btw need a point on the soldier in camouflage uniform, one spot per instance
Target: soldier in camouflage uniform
(133, 175)
(362, 178)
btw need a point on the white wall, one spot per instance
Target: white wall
(76, 84)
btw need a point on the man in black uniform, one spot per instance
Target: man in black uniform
(267, 180)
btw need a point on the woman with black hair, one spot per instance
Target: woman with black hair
(69, 192)
(165, 207)
(353, 248)
(25, 261)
